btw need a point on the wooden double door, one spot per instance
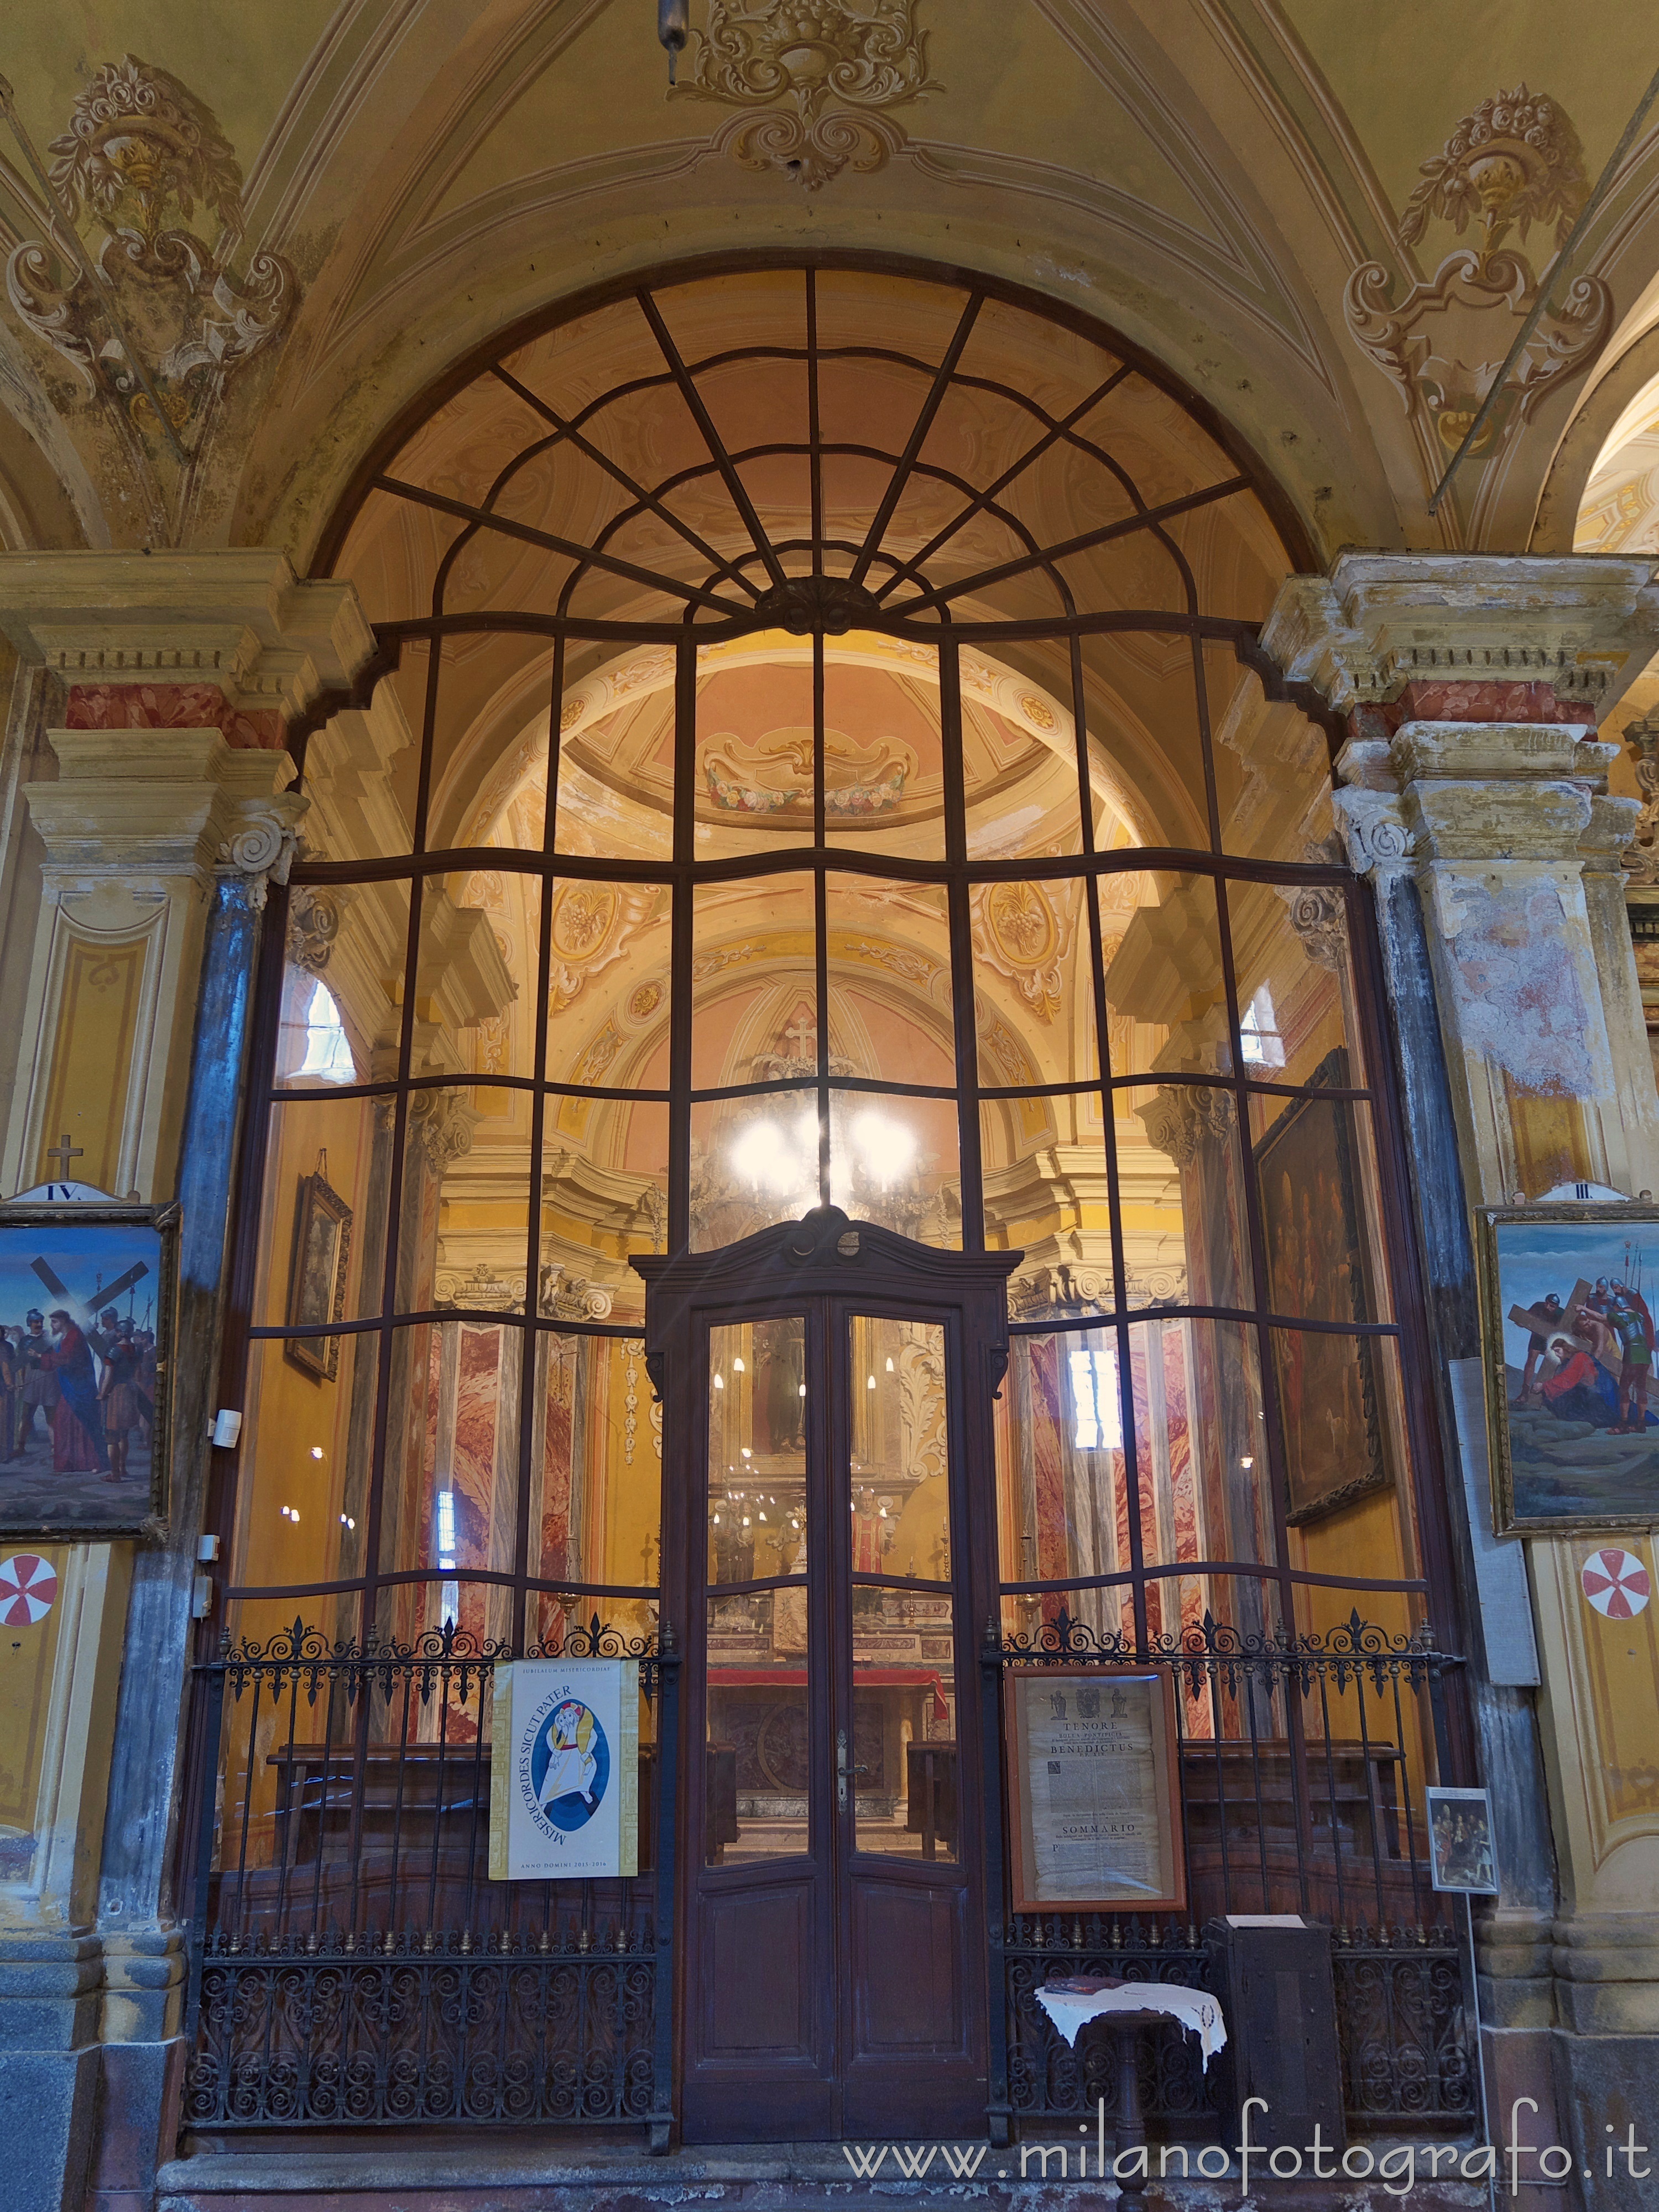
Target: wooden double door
(828, 1464)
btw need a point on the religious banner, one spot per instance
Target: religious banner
(564, 1764)
(1093, 1780)
(86, 1359)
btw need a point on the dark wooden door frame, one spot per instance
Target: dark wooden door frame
(863, 1269)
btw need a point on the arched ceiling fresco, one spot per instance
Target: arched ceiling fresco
(1237, 187)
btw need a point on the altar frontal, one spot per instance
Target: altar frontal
(564, 1769)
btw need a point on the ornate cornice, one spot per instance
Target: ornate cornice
(233, 630)
(1584, 626)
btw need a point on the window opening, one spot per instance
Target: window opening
(1259, 1039)
(1099, 1416)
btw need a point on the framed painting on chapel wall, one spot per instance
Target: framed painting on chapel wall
(317, 1276)
(1568, 1294)
(1320, 1268)
(87, 1313)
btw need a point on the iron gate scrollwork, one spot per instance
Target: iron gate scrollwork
(351, 1964)
(1300, 1760)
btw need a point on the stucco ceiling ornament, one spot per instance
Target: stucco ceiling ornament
(1021, 935)
(826, 71)
(147, 312)
(1513, 161)
(590, 925)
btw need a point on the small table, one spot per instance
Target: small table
(1126, 2007)
(1131, 2121)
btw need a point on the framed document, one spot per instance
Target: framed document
(1094, 1790)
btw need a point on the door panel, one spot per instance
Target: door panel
(760, 1974)
(908, 1944)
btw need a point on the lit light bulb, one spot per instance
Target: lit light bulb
(888, 1146)
(890, 1367)
(760, 1517)
(802, 1389)
(745, 1520)
(1248, 1460)
(738, 1367)
(747, 1453)
(316, 1451)
(719, 1381)
(869, 1383)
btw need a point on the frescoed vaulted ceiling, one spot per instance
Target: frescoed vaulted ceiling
(1230, 184)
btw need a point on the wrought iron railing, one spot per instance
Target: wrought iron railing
(353, 1967)
(1300, 1760)
(351, 1963)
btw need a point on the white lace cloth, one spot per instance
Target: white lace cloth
(1071, 2010)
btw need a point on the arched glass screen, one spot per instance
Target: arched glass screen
(825, 755)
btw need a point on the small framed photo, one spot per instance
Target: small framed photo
(317, 1277)
(1094, 1790)
(87, 1308)
(1460, 1856)
(1568, 1297)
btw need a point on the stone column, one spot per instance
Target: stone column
(1473, 796)
(166, 684)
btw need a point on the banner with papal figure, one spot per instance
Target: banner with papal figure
(564, 1769)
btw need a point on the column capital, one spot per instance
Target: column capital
(1470, 636)
(170, 640)
(182, 803)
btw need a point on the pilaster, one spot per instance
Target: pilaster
(1474, 795)
(168, 681)
(135, 830)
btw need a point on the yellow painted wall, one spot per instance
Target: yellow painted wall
(27, 1656)
(290, 1415)
(86, 1090)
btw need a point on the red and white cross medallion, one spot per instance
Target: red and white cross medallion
(28, 1587)
(1616, 1583)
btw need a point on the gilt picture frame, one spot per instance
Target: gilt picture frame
(1320, 1267)
(88, 1295)
(1569, 1292)
(318, 1270)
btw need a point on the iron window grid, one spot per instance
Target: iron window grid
(926, 617)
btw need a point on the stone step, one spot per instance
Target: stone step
(482, 2177)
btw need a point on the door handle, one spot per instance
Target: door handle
(843, 1770)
